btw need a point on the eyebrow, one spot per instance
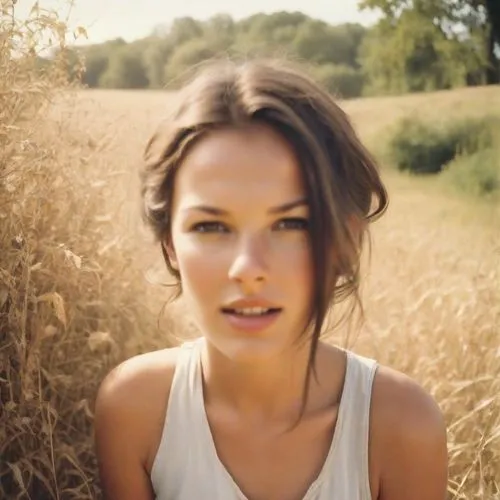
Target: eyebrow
(280, 209)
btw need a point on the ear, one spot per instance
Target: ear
(169, 252)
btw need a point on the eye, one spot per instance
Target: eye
(293, 224)
(209, 227)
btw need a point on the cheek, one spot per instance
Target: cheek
(201, 267)
(292, 261)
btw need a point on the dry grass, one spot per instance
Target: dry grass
(74, 299)
(68, 292)
(433, 307)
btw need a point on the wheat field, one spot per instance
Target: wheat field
(79, 287)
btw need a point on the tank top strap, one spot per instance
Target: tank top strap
(171, 461)
(353, 444)
(359, 382)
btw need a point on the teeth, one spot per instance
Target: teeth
(252, 311)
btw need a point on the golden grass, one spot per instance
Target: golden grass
(68, 305)
(74, 298)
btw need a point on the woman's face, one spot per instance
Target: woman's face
(240, 241)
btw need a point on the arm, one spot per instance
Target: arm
(410, 441)
(117, 440)
(129, 415)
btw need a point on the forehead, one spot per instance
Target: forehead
(245, 165)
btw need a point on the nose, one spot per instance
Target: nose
(248, 267)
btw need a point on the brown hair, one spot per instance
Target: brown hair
(340, 176)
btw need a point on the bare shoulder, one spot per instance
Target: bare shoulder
(408, 438)
(131, 403)
(139, 375)
(400, 401)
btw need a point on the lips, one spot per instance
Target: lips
(251, 315)
(250, 311)
(252, 323)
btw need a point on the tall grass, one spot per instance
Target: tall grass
(74, 301)
(433, 311)
(68, 284)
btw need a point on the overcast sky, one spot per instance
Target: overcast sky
(132, 19)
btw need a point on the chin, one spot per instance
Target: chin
(247, 348)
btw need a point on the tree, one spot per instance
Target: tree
(186, 57)
(319, 42)
(269, 34)
(170, 50)
(125, 71)
(185, 29)
(476, 22)
(220, 32)
(266, 24)
(155, 57)
(314, 43)
(96, 63)
(340, 79)
(413, 55)
(350, 37)
(493, 16)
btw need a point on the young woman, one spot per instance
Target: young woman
(260, 194)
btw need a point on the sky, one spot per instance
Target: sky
(132, 19)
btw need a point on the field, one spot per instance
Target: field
(431, 290)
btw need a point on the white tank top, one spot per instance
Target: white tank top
(186, 466)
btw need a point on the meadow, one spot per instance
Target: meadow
(80, 286)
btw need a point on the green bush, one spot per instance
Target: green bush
(421, 147)
(340, 79)
(477, 174)
(125, 70)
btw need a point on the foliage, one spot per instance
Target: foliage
(435, 34)
(419, 146)
(417, 46)
(162, 58)
(97, 59)
(125, 69)
(476, 174)
(414, 55)
(220, 32)
(340, 79)
(476, 170)
(186, 56)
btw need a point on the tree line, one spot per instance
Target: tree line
(418, 45)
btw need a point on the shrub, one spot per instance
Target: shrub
(340, 79)
(421, 147)
(477, 174)
(125, 70)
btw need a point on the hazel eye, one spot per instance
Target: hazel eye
(293, 224)
(209, 227)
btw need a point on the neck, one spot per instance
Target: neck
(262, 389)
